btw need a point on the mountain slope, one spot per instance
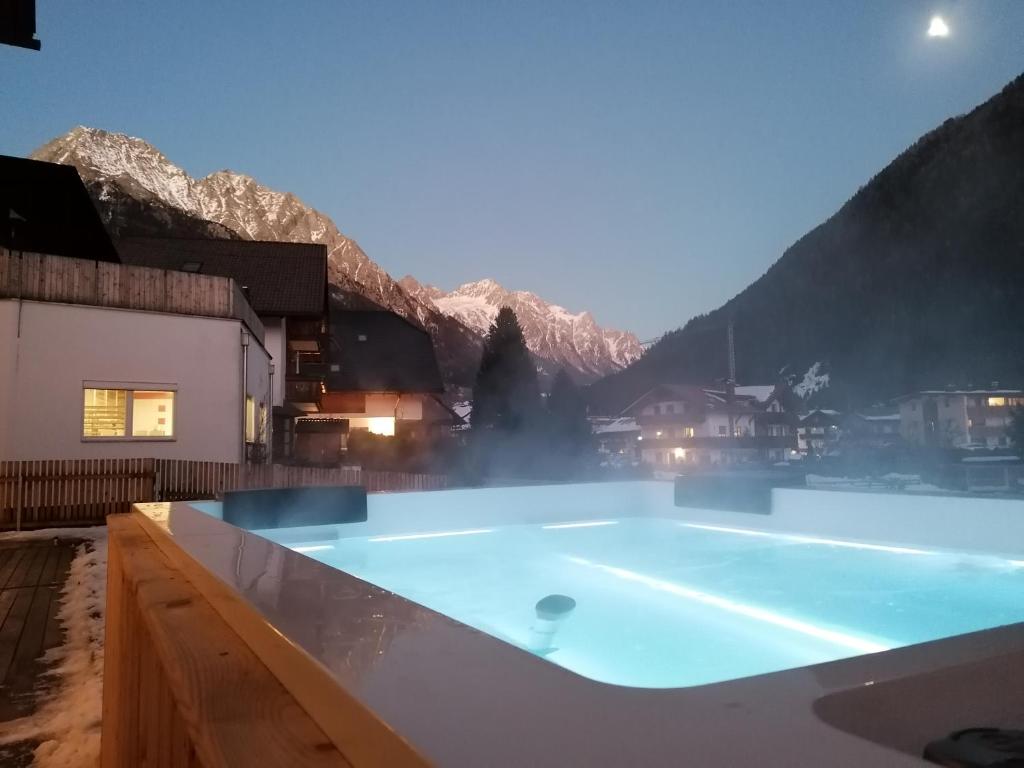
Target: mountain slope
(140, 192)
(572, 341)
(917, 281)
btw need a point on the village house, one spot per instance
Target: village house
(381, 379)
(872, 428)
(99, 359)
(688, 425)
(818, 432)
(617, 440)
(969, 418)
(286, 284)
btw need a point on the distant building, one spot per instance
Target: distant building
(617, 440)
(818, 432)
(959, 418)
(874, 428)
(688, 425)
(381, 378)
(286, 284)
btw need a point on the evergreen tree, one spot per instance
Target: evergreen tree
(568, 428)
(506, 395)
(1016, 431)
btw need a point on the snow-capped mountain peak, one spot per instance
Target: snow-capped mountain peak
(139, 190)
(570, 339)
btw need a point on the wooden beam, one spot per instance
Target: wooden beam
(181, 688)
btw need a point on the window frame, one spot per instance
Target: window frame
(130, 388)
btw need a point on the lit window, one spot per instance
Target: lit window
(250, 419)
(152, 413)
(381, 425)
(996, 402)
(105, 413)
(139, 414)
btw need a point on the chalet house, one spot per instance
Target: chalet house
(959, 418)
(286, 284)
(617, 440)
(381, 378)
(874, 428)
(687, 425)
(818, 432)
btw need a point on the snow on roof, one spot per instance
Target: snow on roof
(759, 392)
(618, 425)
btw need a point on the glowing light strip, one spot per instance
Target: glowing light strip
(811, 540)
(592, 524)
(838, 638)
(317, 548)
(442, 534)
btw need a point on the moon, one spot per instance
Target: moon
(938, 27)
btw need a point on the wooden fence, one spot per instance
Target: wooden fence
(38, 494)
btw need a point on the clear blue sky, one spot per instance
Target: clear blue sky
(644, 160)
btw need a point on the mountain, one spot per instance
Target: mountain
(138, 191)
(917, 281)
(572, 341)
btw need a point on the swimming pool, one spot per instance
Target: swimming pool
(690, 625)
(666, 603)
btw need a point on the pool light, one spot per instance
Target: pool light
(760, 614)
(589, 524)
(316, 548)
(441, 534)
(810, 539)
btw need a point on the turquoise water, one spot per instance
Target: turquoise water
(663, 604)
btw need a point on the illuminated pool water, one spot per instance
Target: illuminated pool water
(663, 603)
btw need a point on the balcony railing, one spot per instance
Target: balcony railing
(302, 391)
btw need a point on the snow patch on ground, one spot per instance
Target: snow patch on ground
(67, 722)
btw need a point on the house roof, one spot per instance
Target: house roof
(711, 399)
(45, 208)
(933, 392)
(282, 279)
(379, 351)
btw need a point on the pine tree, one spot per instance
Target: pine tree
(506, 395)
(568, 427)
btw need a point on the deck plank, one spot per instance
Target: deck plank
(32, 575)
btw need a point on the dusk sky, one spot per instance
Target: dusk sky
(643, 160)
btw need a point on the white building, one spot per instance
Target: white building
(959, 418)
(104, 360)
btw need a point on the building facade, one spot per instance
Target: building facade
(976, 418)
(102, 360)
(685, 425)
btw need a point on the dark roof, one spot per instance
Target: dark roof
(379, 351)
(45, 208)
(286, 279)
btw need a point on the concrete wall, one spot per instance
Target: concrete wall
(47, 351)
(277, 347)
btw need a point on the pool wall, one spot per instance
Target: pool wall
(990, 525)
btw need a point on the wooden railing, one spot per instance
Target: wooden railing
(38, 494)
(42, 277)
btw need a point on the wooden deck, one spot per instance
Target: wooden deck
(31, 576)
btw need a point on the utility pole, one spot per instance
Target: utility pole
(730, 384)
